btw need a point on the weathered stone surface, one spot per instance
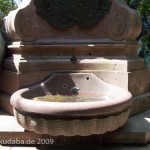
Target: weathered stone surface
(89, 50)
(112, 38)
(12, 81)
(136, 130)
(2, 47)
(5, 103)
(127, 147)
(120, 24)
(9, 124)
(137, 82)
(76, 127)
(2, 42)
(21, 65)
(108, 64)
(114, 65)
(83, 119)
(83, 147)
(20, 134)
(140, 103)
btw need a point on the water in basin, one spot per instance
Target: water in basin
(72, 98)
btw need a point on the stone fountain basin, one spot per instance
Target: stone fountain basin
(98, 107)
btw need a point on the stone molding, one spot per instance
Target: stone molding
(73, 127)
(120, 24)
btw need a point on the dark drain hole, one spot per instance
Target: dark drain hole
(65, 86)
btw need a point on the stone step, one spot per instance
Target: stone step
(8, 124)
(17, 148)
(128, 147)
(104, 147)
(140, 104)
(136, 130)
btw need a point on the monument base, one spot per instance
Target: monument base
(123, 138)
(126, 71)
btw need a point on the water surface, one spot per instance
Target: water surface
(72, 98)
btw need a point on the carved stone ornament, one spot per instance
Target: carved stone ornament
(67, 13)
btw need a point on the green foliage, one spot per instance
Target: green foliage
(144, 6)
(144, 10)
(6, 6)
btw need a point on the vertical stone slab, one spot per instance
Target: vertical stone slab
(2, 43)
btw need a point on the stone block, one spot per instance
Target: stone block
(117, 51)
(136, 130)
(127, 147)
(13, 81)
(103, 64)
(65, 64)
(125, 73)
(9, 82)
(140, 104)
(137, 82)
(5, 103)
(30, 65)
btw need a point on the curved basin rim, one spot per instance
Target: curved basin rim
(29, 105)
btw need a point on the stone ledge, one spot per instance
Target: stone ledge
(127, 147)
(9, 124)
(136, 130)
(85, 147)
(17, 148)
(140, 104)
(22, 65)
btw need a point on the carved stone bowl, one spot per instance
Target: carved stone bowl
(97, 107)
